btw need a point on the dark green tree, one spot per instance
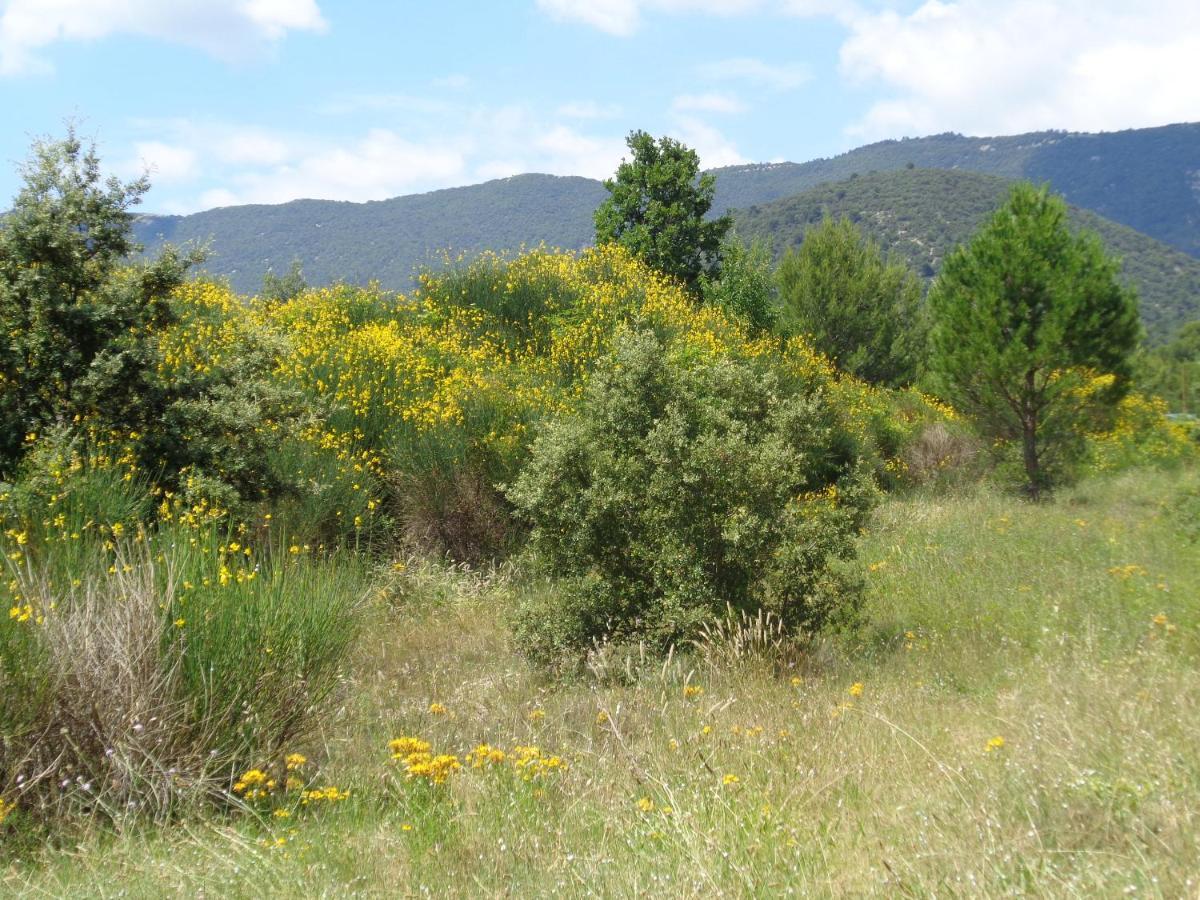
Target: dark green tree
(80, 321)
(1173, 371)
(657, 207)
(1033, 333)
(281, 288)
(745, 286)
(73, 315)
(860, 309)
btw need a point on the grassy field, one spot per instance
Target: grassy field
(1019, 714)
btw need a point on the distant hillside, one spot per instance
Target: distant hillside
(1147, 178)
(922, 214)
(384, 240)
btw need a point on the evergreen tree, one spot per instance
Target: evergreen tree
(74, 314)
(745, 286)
(1033, 332)
(656, 208)
(861, 310)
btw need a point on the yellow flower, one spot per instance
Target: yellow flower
(437, 709)
(856, 689)
(295, 761)
(601, 718)
(536, 715)
(996, 743)
(645, 804)
(693, 690)
(730, 779)
(180, 622)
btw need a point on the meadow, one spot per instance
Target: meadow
(1019, 717)
(302, 662)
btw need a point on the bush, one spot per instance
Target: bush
(681, 489)
(171, 660)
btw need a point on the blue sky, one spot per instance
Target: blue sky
(235, 101)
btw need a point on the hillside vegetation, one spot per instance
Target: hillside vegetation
(1146, 178)
(1018, 717)
(387, 240)
(922, 214)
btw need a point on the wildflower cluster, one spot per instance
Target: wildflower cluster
(415, 756)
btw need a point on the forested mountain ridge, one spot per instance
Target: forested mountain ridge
(383, 240)
(922, 214)
(1146, 178)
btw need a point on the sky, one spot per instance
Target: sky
(263, 101)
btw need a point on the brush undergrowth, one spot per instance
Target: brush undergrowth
(1018, 717)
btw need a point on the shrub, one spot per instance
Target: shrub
(682, 487)
(171, 660)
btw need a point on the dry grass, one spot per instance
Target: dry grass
(980, 630)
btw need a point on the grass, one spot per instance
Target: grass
(1027, 724)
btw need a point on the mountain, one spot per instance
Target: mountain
(383, 240)
(922, 214)
(1146, 178)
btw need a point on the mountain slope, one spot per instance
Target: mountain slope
(922, 214)
(383, 240)
(1147, 178)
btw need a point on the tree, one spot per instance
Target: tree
(861, 310)
(1033, 333)
(657, 207)
(281, 288)
(74, 318)
(1173, 371)
(80, 324)
(680, 488)
(745, 286)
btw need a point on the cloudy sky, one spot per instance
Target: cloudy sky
(240, 101)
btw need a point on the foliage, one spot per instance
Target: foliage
(656, 209)
(74, 324)
(923, 214)
(1140, 434)
(685, 484)
(280, 288)
(745, 287)
(1142, 177)
(149, 662)
(1173, 371)
(862, 311)
(89, 340)
(1032, 333)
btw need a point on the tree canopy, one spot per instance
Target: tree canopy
(860, 309)
(1032, 332)
(656, 208)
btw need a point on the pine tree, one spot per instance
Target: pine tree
(1033, 333)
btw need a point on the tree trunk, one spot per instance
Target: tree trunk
(1029, 425)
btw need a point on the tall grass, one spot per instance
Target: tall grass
(174, 659)
(1019, 718)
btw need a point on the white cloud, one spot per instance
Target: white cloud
(778, 76)
(380, 164)
(714, 103)
(229, 29)
(622, 17)
(713, 148)
(455, 82)
(199, 165)
(565, 151)
(588, 109)
(986, 67)
(166, 163)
